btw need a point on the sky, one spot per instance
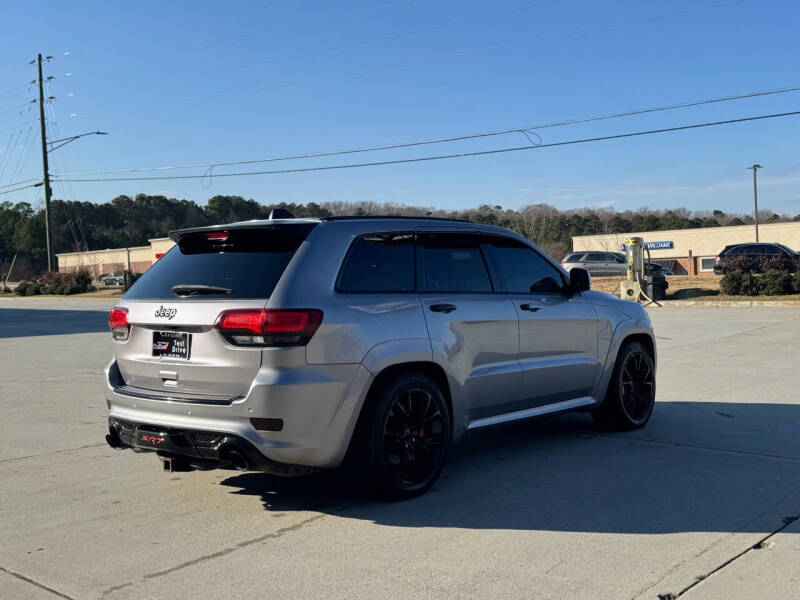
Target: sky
(198, 83)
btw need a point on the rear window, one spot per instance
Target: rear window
(743, 250)
(248, 262)
(380, 263)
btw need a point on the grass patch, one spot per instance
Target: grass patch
(683, 287)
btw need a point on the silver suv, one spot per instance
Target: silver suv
(290, 345)
(599, 264)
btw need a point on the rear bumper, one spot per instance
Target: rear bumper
(319, 407)
(183, 449)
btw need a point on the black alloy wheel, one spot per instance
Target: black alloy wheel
(413, 437)
(637, 386)
(631, 394)
(402, 437)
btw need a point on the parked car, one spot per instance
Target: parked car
(654, 268)
(295, 344)
(751, 250)
(113, 278)
(599, 264)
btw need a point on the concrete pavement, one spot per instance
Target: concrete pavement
(545, 509)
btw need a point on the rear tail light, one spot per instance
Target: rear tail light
(118, 322)
(269, 326)
(718, 259)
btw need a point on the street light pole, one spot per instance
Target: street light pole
(755, 169)
(55, 145)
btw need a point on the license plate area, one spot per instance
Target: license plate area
(152, 439)
(172, 344)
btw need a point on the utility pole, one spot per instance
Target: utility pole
(45, 170)
(755, 169)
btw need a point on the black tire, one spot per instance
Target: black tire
(631, 394)
(403, 437)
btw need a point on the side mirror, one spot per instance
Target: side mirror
(579, 280)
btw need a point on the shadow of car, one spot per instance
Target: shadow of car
(697, 467)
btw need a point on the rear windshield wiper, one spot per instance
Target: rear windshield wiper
(188, 289)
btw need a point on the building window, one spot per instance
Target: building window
(707, 263)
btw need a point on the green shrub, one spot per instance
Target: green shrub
(83, 281)
(775, 283)
(52, 282)
(750, 284)
(731, 283)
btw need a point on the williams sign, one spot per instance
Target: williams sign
(666, 245)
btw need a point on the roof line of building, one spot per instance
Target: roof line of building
(685, 229)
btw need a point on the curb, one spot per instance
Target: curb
(731, 303)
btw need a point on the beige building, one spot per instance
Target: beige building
(136, 259)
(693, 250)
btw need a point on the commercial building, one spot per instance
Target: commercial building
(693, 251)
(135, 259)
(684, 251)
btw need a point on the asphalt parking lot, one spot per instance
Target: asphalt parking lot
(699, 504)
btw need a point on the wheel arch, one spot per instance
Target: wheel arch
(381, 379)
(626, 332)
(428, 368)
(643, 338)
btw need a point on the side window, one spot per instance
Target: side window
(595, 257)
(770, 251)
(453, 263)
(523, 270)
(380, 263)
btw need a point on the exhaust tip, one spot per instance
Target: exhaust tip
(237, 459)
(113, 439)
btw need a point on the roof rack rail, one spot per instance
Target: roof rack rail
(362, 217)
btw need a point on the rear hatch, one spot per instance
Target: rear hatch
(172, 346)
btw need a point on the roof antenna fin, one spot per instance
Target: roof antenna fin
(280, 213)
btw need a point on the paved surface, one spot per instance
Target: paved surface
(545, 509)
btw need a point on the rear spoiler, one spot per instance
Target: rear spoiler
(177, 234)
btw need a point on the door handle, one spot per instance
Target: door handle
(443, 308)
(530, 307)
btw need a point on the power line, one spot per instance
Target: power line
(8, 185)
(27, 146)
(523, 129)
(14, 89)
(24, 187)
(8, 153)
(75, 224)
(21, 124)
(15, 69)
(13, 108)
(460, 155)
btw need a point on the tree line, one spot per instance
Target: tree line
(131, 221)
